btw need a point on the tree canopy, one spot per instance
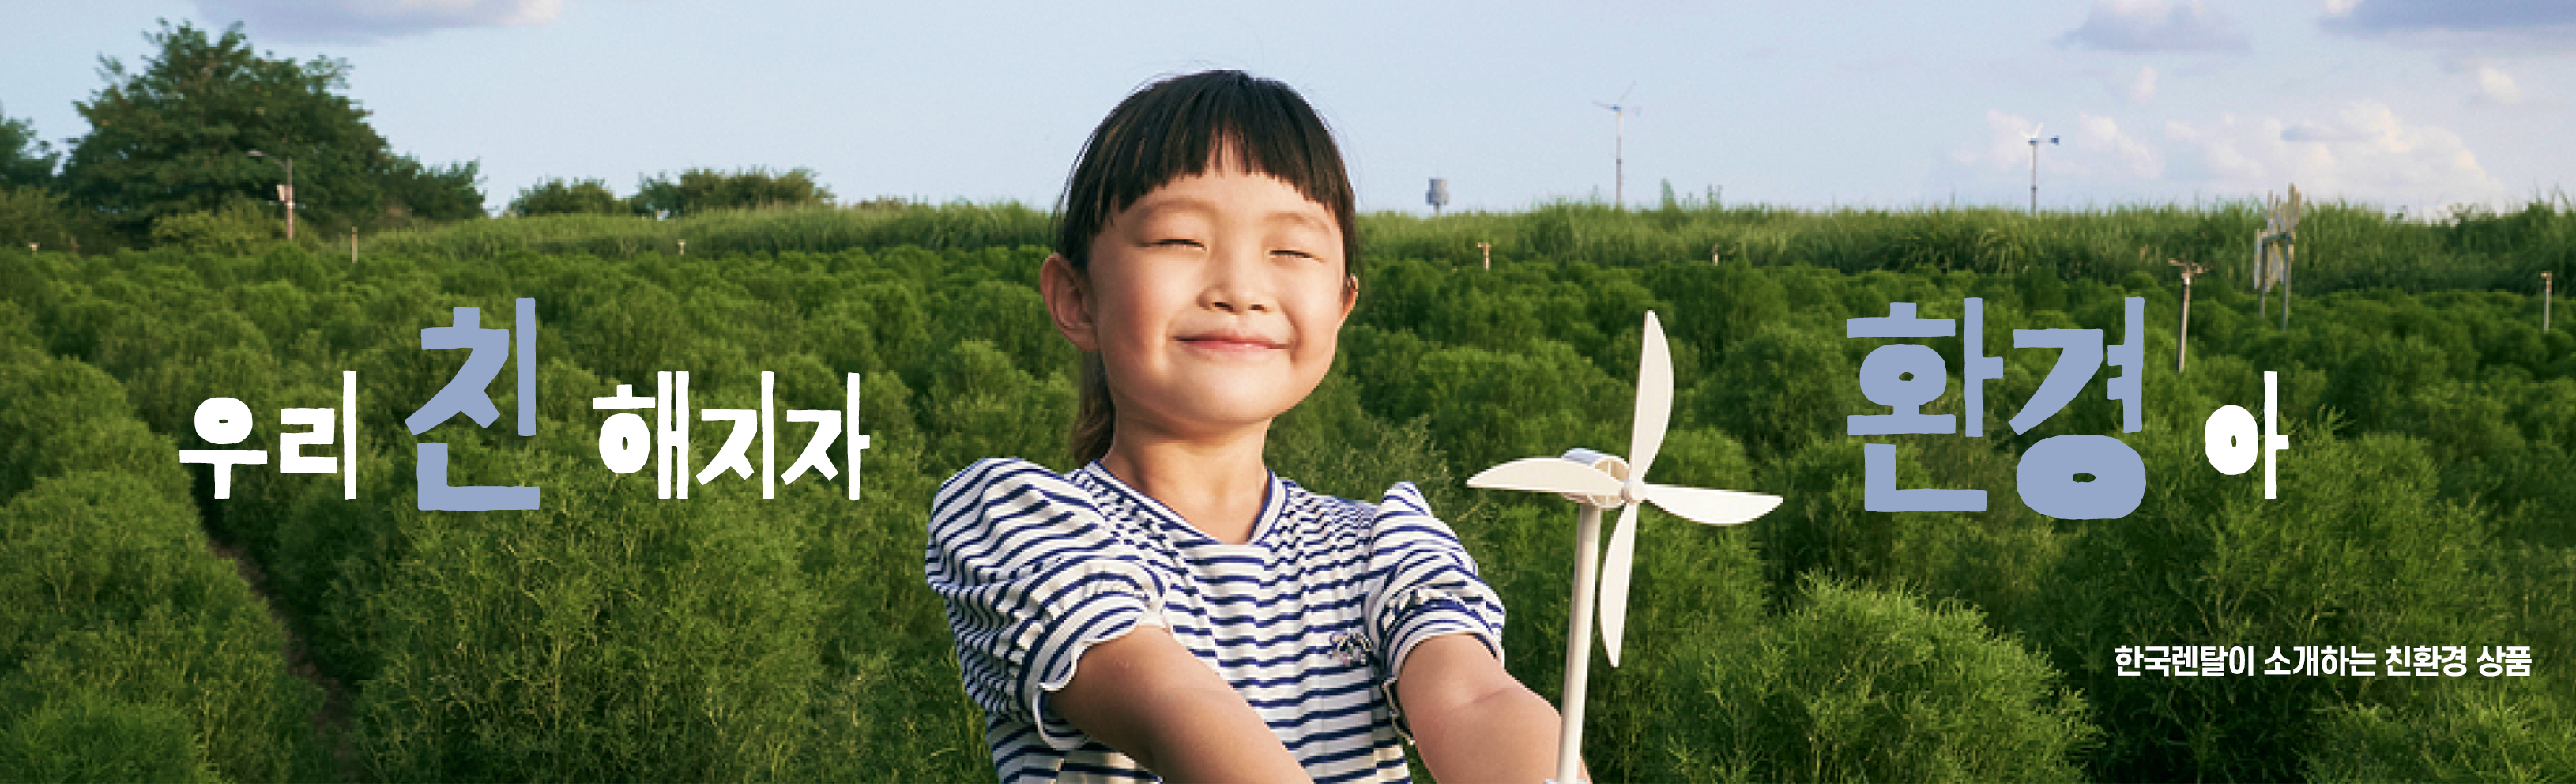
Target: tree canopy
(560, 197)
(175, 137)
(24, 159)
(709, 189)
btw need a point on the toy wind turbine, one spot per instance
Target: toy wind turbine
(1597, 481)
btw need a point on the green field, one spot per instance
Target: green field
(2425, 499)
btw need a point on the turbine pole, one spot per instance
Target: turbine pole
(1619, 145)
(2034, 165)
(1619, 160)
(1578, 644)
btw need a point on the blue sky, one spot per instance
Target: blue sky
(2397, 103)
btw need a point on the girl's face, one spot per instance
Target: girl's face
(1214, 301)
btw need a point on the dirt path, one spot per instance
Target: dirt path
(332, 722)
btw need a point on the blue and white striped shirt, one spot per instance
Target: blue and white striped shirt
(1310, 620)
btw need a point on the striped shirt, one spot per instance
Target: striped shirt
(1310, 620)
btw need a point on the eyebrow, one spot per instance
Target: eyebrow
(1150, 204)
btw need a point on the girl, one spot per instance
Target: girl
(1172, 608)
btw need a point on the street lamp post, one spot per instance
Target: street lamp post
(285, 192)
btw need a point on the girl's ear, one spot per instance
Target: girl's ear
(1350, 297)
(1069, 303)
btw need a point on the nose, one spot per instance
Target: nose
(1238, 280)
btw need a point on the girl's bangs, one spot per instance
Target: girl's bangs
(1177, 128)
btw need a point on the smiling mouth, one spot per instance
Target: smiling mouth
(1233, 342)
(1230, 344)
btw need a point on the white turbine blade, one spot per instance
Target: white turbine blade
(1615, 566)
(2034, 131)
(1711, 507)
(1546, 475)
(1654, 399)
(1623, 94)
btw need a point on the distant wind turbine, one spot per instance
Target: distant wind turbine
(2034, 164)
(1619, 154)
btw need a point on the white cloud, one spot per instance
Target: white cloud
(2365, 153)
(2496, 86)
(2142, 88)
(2154, 26)
(2103, 135)
(361, 21)
(2310, 131)
(2340, 7)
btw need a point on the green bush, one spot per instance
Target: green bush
(237, 229)
(2501, 730)
(33, 215)
(92, 738)
(1862, 685)
(608, 636)
(61, 415)
(114, 592)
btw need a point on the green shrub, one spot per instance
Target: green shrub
(608, 636)
(1862, 685)
(238, 229)
(93, 738)
(41, 217)
(2501, 730)
(113, 592)
(62, 415)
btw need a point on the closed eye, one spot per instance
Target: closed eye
(1177, 243)
(1298, 253)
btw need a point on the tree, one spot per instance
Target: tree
(709, 189)
(439, 193)
(556, 197)
(24, 159)
(175, 138)
(31, 210)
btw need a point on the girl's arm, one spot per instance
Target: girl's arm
(1147, 697)
(1471, 719)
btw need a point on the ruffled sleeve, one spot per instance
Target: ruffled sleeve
(1426, 585)
(1032, 576)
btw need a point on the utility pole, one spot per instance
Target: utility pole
(2182, 328)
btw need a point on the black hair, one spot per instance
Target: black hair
(1175, 128)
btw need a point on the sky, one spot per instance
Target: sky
(2419, 105)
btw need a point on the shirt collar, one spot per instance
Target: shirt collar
(1273, 502)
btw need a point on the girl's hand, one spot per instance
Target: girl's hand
(1147, 697)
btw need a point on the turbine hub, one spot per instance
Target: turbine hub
(1610, 464)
